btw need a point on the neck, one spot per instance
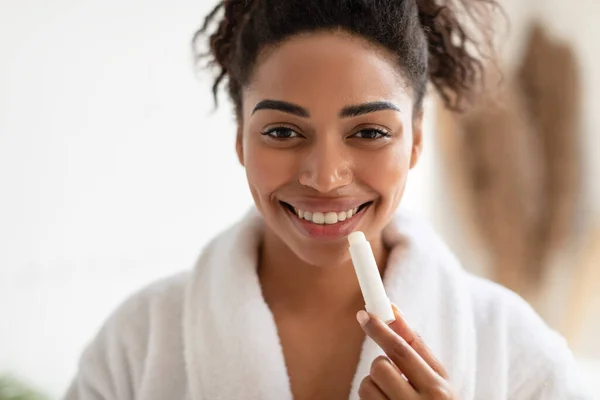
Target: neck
(294, 285)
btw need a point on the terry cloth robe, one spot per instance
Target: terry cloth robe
(208, 334)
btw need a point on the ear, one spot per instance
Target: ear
(239, 144)
(417, 145)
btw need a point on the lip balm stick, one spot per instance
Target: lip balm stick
(371, 286)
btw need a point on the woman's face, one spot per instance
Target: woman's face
(327, 140)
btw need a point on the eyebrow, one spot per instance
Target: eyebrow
(284, 106)
(348, 111)
(366, 108)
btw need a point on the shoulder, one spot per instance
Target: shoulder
(146, 312)
(537, 359)
(155, 310)
(114, 362)
(164, 296)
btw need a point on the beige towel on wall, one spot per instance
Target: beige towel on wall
(549, 81)
(492, 153)
(513, 163)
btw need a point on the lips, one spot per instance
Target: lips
(323, 224)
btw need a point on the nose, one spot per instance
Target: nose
(327, 166)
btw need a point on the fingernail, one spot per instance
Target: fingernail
(363, 317)
(395, 307)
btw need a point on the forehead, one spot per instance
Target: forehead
(327, 70)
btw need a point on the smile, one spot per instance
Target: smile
(325, 218)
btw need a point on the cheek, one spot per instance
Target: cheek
(266, 169)
(387, 172)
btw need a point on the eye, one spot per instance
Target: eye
(371, 134)
(280, 133)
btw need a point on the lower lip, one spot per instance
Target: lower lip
(325, 231)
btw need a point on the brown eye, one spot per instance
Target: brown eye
(280, 133)
(371, 134)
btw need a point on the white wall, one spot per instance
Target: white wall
(112, 170)
(113, 173)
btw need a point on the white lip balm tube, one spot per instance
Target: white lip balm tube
(371, 286)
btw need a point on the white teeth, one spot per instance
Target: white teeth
(331, 218)
(318, 218)
(328, 218)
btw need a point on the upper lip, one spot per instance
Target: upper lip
(325, 205)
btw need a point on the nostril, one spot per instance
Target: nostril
(325, 181)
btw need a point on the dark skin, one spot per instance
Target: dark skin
(313, 149)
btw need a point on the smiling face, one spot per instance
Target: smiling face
(327, 139)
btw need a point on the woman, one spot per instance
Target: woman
(328, 97)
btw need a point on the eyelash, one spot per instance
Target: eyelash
(382, 132)
(268, 132)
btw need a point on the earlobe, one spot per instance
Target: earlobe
(239, 145)
(417, 145)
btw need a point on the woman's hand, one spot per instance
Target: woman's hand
(410, 371)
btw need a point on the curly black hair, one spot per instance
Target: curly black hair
(426, 37)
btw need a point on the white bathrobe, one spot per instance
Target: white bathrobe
(208, 334)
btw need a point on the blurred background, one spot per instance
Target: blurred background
(114, 171)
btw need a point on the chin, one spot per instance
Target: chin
(324, 255)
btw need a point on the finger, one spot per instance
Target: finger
(418, 372)
(368, 390)
(389, 379)
(416, 342)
